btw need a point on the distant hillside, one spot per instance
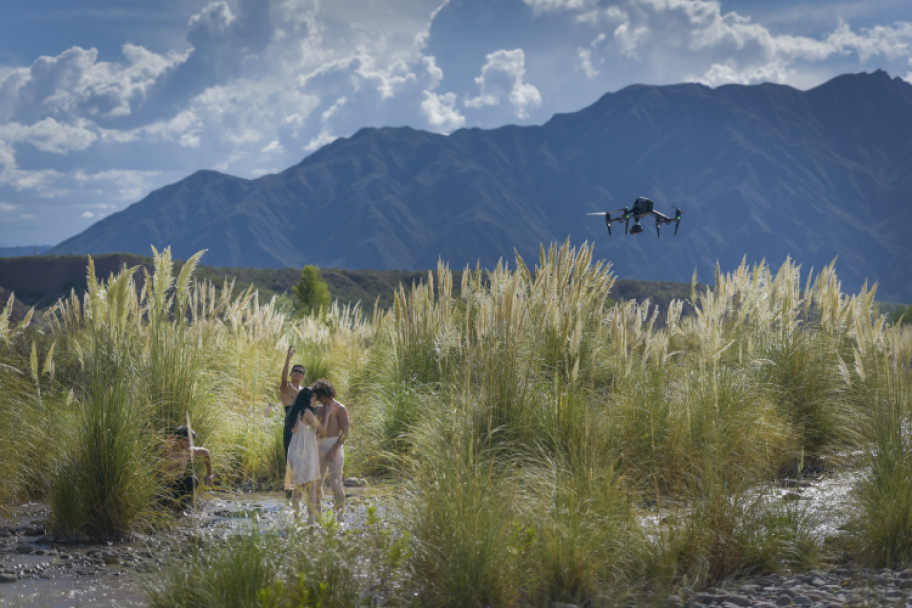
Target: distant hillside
(15, 252)
(18, 310)
(766, 171)
(41, 281)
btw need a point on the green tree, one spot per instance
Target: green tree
(311, 291)
(903, 314)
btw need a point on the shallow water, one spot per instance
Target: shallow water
(55, 584)
(826, 499)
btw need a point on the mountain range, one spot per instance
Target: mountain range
(763, 171)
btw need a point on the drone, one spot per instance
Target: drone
(641, 207)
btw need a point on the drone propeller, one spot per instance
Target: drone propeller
(658, 227)
(677, 219)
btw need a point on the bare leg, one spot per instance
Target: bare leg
(318, 487)
(335, 482)
(296, 501)
(310, 499)
(334, 469)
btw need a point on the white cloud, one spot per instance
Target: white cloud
(76, 84)
(273, 146)
(550, 6)
(441, 112)
(215, 17)
(421, 38)
(48, 135)
(87, 215)
(629, 37)
(502, 74)
(585, 57)
(738, 50)
(325, 136)
(8, 208)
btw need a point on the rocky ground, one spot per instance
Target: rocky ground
(28, 553)
(833, 588)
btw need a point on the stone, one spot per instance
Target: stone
(784, 600)
(802, 600)
(110, 557)
(706, 598)
(45, 539)
(354, 482)
(905, 574)
(818, 582)
(8, 578)
(738, 600)
(675, 601)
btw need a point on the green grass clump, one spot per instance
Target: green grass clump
(230, 576)
(459, 518)
(882, 526)
(307, 567)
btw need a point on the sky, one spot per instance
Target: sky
(104, 101)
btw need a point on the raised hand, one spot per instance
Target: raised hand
(291, 352)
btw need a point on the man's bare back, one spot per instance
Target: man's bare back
(176, 455)
(335, 418)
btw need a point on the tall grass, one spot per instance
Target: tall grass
(883, 524)
(528, 419)
(15, 395)
(459, 517)
(105, 482)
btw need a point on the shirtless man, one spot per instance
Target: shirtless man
(177, 455)
(289, 390)
(334, 417)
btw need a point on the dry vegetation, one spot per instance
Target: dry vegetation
(526, 420)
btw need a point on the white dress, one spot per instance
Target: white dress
(303, 463)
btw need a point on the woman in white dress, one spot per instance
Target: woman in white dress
(302, 468)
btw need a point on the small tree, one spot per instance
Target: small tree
(902, 315)
(311, 291)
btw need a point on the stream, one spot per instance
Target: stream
(52, 575)
(36, 571)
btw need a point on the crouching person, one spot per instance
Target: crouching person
(176, 455)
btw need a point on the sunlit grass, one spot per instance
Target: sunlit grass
(526, 419)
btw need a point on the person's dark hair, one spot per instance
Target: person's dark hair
(182, 432)
(324, 388)
(301, 403)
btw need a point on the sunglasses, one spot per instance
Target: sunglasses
(297, 371)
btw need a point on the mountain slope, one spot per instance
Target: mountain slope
(765, 171)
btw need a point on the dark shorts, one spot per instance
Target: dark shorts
(286, 433)
(183, 488)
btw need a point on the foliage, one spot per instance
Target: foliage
(902, 315)
(311, 291)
